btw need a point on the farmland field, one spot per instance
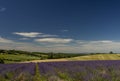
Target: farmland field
(98, 57)
(62, 71)
(13, 56)
(17, 58)
(83, 58)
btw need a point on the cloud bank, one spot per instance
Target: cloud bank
(47, 43)
(62, 45)
(3, 40)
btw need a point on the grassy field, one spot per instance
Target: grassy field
(84, 58)
(11, 56)
(98, 57)
(17, 58)
(27, 58)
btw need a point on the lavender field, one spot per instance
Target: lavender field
(62, 71)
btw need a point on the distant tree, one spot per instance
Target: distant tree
(3, 51)
(43, 57)
(50, 55)
(111, 52)
(1, 61)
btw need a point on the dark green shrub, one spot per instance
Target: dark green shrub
(1, 61)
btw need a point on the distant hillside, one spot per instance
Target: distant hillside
(83, 58)
(10, 56)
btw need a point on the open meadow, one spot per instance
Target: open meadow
(98, 57)
(83, 58)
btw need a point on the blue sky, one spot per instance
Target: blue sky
(60, 25)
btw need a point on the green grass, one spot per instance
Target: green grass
(17, 58)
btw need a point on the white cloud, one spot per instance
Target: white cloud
(24, 39)
(34, 34)
(28, 34)
(3, 40)
(102, 41)
(54, 40)
(47, 35)
(2, 9)
(65, 30)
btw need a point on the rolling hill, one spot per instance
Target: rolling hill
(84, 58)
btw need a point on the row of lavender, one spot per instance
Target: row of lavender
(62, 71)
(81, 70)
(17, 71)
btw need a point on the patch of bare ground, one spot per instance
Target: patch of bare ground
(47, 60)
